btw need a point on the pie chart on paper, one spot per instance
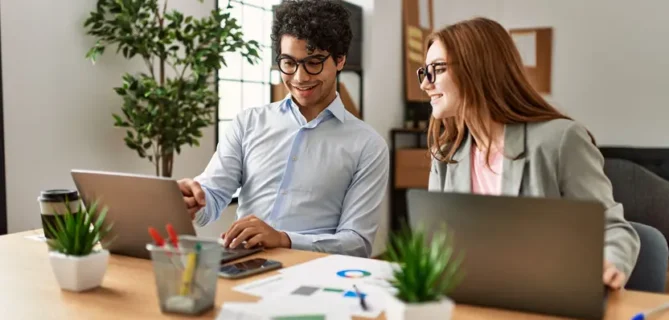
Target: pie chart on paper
(354, 273)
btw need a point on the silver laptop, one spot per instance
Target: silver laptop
(527, 254)
(137, 202)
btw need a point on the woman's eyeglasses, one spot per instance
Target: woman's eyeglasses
(430, 71)
(312, 65)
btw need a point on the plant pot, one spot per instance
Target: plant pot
(397, 309)
(76, 273)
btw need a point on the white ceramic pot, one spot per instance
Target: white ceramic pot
(79, 273)
(397, 309)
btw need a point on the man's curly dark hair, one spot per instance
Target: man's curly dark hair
(324, 24)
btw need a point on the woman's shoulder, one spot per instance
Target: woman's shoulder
(555, 126)
(555, 132)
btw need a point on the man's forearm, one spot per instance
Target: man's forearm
(215, 202)
(347, 242)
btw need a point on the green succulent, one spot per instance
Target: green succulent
(76, 233)
(427, 267)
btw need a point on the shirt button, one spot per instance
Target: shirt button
(294, 158)
(283, 192)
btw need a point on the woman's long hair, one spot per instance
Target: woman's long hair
(488, 72)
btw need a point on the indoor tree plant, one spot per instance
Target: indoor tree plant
(166, 107)
(427, 270)
(76, 259)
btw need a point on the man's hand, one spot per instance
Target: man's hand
(613, 277)
(193, 195)
(254, 231)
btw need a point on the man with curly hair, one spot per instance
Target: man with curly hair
(312, 175)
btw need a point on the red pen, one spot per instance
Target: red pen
(173, 235)
(156, 237)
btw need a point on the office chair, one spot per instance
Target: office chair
(643, 195)
(650, 272)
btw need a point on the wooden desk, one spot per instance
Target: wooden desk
(28, 289)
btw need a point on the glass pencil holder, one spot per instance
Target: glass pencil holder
(186, 277)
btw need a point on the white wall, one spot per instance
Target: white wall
(46, 77)
(609, 60)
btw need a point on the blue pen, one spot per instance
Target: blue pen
(646, 314)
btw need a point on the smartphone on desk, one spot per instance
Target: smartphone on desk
(248, 268)
(237, 253)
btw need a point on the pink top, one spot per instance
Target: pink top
(484, 180)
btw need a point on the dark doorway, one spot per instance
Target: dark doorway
(3, 193)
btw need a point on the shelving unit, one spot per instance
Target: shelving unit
(409, 168)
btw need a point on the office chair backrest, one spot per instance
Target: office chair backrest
(643, 194)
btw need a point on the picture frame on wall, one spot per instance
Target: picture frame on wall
(535, 46)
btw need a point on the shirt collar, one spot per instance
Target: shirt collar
(336, 107)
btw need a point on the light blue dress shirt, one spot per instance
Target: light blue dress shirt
(321, 181)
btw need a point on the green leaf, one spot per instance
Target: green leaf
(61, 230)
(77, 238)
(118, 119)
(426, 269)
(52, 230)
(94, 53)
(74, 234)
(100, 220)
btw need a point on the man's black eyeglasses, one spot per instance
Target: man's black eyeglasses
(429, 71)
(312, 65)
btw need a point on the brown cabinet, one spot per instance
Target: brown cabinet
(412, 168)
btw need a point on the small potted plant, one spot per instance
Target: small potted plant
(409, 121)
(422, 124)
(426, 271)
(77, 261)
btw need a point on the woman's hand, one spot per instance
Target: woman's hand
(613, 278)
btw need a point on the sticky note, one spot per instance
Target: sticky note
(415, 33)
(415, 57)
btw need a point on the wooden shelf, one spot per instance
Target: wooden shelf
(407, 130)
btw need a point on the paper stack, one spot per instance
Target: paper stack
(283, 309)
(327, 282)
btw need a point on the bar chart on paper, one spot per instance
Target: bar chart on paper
(330, 280)
(281, 285)
(325, 292)
(317, 292)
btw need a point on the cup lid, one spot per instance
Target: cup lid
(58, 195)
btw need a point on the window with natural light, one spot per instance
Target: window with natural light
(242, 85)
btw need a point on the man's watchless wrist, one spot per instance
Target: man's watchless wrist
(285, 240)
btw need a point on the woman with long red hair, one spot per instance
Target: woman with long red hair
(492, 133)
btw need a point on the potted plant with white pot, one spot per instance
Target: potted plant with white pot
(426, 271)
(77, 260)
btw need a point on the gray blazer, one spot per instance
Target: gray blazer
(550, 159)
